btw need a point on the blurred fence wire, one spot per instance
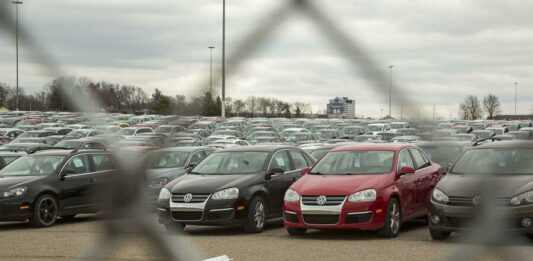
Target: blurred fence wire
(129, 188)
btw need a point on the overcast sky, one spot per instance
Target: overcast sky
(441, 50)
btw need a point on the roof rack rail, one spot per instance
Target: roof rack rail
(481, 141)
(32, 150)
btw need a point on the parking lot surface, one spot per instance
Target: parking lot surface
(73, 239)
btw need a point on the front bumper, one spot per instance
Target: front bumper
(465, 218)
(362, 215)
(15, 209)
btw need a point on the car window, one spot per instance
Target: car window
(420, 161)
(280, 160)
(79, 164)
(103, 162)
(405, 160)
(298, 159)
(197, 157)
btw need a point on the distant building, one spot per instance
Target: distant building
(341, 108)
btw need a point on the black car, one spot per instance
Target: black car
(164, 165)
(6, 157)
(47, 184)
(234, 186)
(443, 152)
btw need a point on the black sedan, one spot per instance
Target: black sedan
(236, 186)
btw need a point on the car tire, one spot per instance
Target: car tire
(174, 227)
(256, 216)
(44, 212)
(393, 220)
(296, 231)
(438, 234)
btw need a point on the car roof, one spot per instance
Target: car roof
(185, 149)
(64, 152)
(442, 143)
(374, 146)
(523, 144)
(257, 148)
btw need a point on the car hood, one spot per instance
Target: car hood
(194, 183)
(166, 172)
(311, 184)
(9, 182)
(497, 185)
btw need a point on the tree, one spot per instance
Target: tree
(238, 106)
(470, 108)
(492, 106)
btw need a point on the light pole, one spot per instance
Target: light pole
(223, 58)
(381, 114)
(515, 96)
(390, 90)
(17, 3)
(211, 71)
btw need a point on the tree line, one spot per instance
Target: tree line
(472, 109)
(115, 97)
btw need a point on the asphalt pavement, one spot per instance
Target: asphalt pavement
(74, 239)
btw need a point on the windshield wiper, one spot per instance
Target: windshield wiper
(315, 173)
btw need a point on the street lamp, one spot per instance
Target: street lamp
(390, 90)
(515, 96)
(381, 114)
(211, 71)
(17, 3)
(223, 58)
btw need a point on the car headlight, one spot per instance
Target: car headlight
(363, 195)
(230, 193)
(16, 192)
(440, 197)
(164, 194)
(159, 182)
(523, 199)
(291, 196)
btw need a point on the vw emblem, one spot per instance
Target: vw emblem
(321, 200)
(476, 200)
(187, 198)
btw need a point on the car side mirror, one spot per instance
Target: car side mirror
(406, 170)
(274, 171)
(66, 172)
(305, 170)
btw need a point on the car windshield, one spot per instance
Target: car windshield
(167, 159)
(443, 155)
(495, 161)
(352, 130)
(365, 138)
(397, 125)
(127, 132)
(354, 163)
(77, 134)
(227, 163)
(163, 129)
(32, 166)
(29, 135)
(374, 128)
(68, 144)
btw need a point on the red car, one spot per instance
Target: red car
(367, 186)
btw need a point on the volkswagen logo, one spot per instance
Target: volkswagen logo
(476, 200)
(187, 198)
(321, 200)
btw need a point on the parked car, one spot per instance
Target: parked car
(443, 152)
(372, 186)
(508, 167)
(236, 186)
(80, 144)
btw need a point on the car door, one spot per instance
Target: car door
(426, 176)
(406, 184)
(104, 169)
(277, 184)
(77, 186)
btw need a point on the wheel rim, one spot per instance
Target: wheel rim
(259, 215)
(395, 218)
(47, 211)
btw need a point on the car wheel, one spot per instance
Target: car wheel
(438, 234)
(174, 227)
(68, 217)
(257, 213)
(296, 231)
(44, 211)
(393, 220)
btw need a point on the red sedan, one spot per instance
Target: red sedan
(368, 186)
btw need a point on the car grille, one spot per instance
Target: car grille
(291, 217)
(358, 218)
(458, 221)
(330, 200)
(218, 215)
(468, 201)
(196, 198)
(187, 215)
(321, 219)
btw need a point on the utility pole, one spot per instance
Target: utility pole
(223, 58)
(515, 96)
(390, 90)
(17, 3)
(211, 71)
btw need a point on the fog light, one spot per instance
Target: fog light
(435, 219)
(527, 222)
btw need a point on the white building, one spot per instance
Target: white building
(341, 107)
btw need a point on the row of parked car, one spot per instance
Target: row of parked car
(332, 183)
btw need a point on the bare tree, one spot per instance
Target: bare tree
(238, 105)
(492, 106)
(470, 108)
(251, 103)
